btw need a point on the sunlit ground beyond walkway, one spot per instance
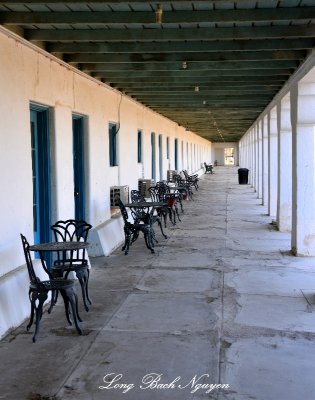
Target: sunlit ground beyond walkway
(221, 302)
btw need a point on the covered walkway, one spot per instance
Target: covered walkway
(221, 302)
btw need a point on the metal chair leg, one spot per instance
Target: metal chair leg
(42, 296)
(69, 295)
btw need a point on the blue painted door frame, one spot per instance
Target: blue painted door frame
(160, 158)
(176, 154)
(78, 167)
(41, 175)
(153, 168)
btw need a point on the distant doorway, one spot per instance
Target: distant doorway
(229, 156)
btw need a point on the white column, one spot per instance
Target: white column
(284, 204)
(253, 158)
(303, 166)
(273, 162)
(250, 156)
(245, 164)
(260, 167)
(256, 157)
(246, 152)
(265, 188)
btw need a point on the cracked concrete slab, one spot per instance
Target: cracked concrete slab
(272, 281)
(137, 356)
(188, 281)
(178, 312)
(279, 312)
(270, 372)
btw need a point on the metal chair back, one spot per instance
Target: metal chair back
(137, 197)
(68, 231)
(30, 268)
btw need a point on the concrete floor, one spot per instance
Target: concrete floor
(221, 302)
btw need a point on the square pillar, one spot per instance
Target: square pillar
(251, 158)
(265, 172)
(272, 162)
(284, 203)
(256, 165)
(260, 161)
(303, 166)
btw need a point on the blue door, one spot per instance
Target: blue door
(176, 154)
(160, 158)
(153, 170)
(41, 174)
(78, 167)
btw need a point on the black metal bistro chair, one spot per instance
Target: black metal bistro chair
(164, 210)
(74, 260)
(164, 195)
(38, 293)
(176, 193)
(132, 230)
(147, 218)
(208, 167)
(185, 185)
(192, 178)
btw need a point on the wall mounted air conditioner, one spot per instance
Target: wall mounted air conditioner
(119, 192)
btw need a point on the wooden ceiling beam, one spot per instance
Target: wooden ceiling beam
(196, 81)
(126, 2)
(257, 55)
(179, 47)
(174, 92)
(191, 66)
(148, 17)
(148, 35)
(188, 74)
(182, 87)
(195, 98)
(217, 102)
(214, 108)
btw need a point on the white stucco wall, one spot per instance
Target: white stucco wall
(29, 75)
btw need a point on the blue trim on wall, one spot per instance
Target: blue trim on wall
(176, 154)
(78, 167)
(153, 168)
(41, 175)
(112, 136)
(139, 146)
(160, 157)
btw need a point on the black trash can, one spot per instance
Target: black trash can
(243, 176)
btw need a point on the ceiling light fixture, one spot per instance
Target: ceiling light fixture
(158, 14)
(196, 88)
(184, 65)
